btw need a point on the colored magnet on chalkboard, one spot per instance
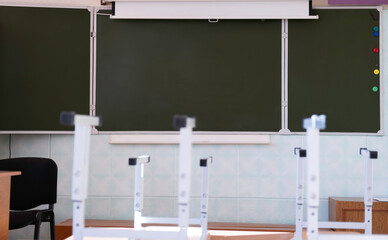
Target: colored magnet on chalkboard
(375, 50)
(375, 89)
(376, 34)
(376, 72)
(376, 28)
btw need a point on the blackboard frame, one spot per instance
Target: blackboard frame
(380, 132)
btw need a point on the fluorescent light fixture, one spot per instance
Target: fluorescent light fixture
(214, 9)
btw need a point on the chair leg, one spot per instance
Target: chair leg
(37, 225)
(52, 226)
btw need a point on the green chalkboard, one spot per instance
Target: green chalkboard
(44, 66)
(331, 70)
(226, 74)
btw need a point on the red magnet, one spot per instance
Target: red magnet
(375, 50)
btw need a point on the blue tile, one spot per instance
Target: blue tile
(274, 211)
(122, 209)
(220, 186)
(127, 151)
(64, 163)
(199, 152)
(99, 146)
(159, 175)
(323, 213)
(63, 209)
(223, 210)
(268, 170)
(344, 187)
(343, 167)
(271, 211)
(30, 146)
(98, 208)
(259, 161)
(122, 177)
(99, 176)
(251, 187)
(380, 186)
(285, 144)
(339, 147)
(159, 207)
(275, 187)
(198, 175)
(62, 144)
(195, 208)
(250, 162)
(223, 180)
(225, 161)
(379, 144)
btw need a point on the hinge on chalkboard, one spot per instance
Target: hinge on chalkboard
(284, 104)
(92, 107)
(284, 35)
(92, 34)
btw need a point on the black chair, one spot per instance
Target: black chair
(35, 187)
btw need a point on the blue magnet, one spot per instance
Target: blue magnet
(376, 34)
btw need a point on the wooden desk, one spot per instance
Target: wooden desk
(346, 209)
(5, 187)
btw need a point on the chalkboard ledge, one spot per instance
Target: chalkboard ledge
(173, 138)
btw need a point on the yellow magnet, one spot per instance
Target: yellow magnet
(376, 72)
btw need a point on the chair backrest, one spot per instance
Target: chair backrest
(36, 186)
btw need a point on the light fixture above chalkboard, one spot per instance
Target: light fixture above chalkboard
(214, 9)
